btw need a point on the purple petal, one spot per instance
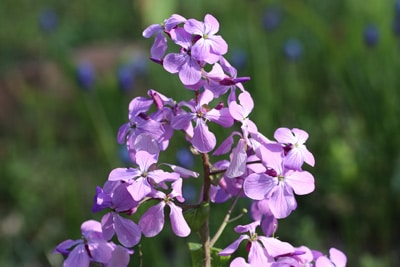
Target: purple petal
(144, 159)
(233, 247)
(91, 228)
(300, 135)
(139, 189)
(152, 221)
(181, 121)
(211, 24)
(65, 246)
(275, 247)
(77, 257)
(257, 186)
(181, 37)
(139, 105)
(337, 257)
(123, 174)
(302, 182)
(178, 223)
(151, 30)
(174, 61)
(107, 225)
(102, 200)
(226, 145)
(159, 176)
(119, 258)
(159, 47)
(239, 262)
(203, 140)
(122, 133)
(323, 261)
(173, 21)
(238, 162)
(127, 231)
(282, 202)
(194, 26)
(218, 46)
(190, 72)
(257, 255)
(221, 117)
(101, 251)
(284, 136)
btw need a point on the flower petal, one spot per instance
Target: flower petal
(178, 223)
(128, 232)
(152, 221)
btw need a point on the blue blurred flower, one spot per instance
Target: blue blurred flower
(48, 20)
(371, 35)
(185, 158)
(85, 75)
(126, 77)
(293, 49)
(272, 18)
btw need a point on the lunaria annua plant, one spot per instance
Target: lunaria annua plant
(268, 172)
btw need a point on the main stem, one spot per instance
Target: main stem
(205, 229)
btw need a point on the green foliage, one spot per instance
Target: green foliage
(197, 256)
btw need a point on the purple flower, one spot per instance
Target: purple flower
(160, 42)
(183, 63)
(278, 184)
(209, 47)
(261, 249)
(295, 148)
(128, 232)
(92, 248)
(203, 139)
(142, 179)
(152, 221)
(223, 78)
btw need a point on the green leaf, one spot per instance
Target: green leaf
(197, 256)
(197, 216)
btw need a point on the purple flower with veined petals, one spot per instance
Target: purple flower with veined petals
(209, 47)
(223, 78)
(296, 151)
(128, 232)
(279, 185)
(152, 221)
(91, 248)
(160, 41)
(116, 197)
(141, 179)
(183, 63)
(261, 249)
(203, 139)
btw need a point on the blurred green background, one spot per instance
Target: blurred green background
(329, 67)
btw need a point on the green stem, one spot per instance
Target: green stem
(205, 229)
(224, 222)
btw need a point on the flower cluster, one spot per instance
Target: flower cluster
(269, 172)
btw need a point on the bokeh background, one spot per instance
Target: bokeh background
(68, 70)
